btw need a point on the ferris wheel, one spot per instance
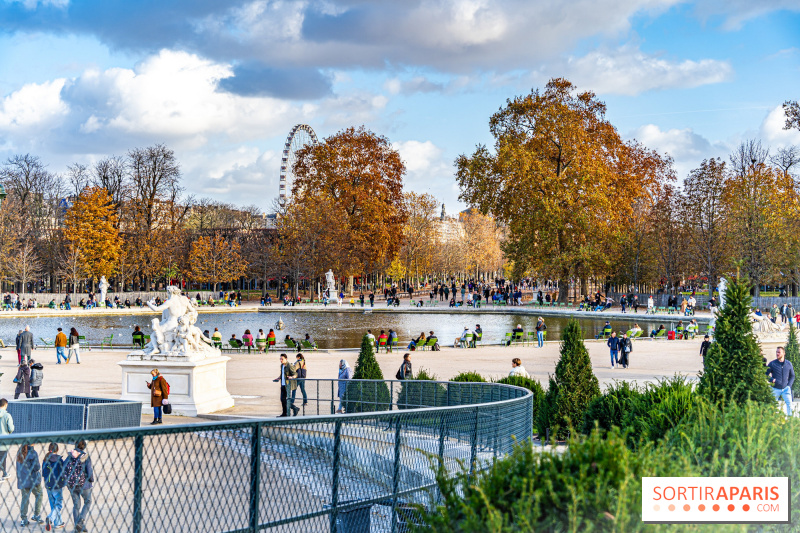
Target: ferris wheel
(300, 136)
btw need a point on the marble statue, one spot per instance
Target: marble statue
(763, 324)
(722, 287)
(103, 285)
(331, 293)
(176, 334)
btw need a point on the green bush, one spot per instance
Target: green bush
(367, 397)
(610, 409)
(734, 369)
(532, 385)
(572, 389)
(416, 395)
(469, 377)
(661, 407)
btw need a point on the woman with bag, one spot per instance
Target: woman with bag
(159, 391)
(625, 349)
(23, 381)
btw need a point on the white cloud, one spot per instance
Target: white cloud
(686, 147)
(628, 71)
(772, 131)
(429, 170)
(33, 105)
(33, 4)
(737, 12)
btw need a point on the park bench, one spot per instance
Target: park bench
(107, 341)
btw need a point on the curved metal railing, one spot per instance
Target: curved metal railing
(360, 471)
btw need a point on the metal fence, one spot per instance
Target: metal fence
(73, 413)
(358, 472)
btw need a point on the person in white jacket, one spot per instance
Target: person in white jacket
(650, 304)
(517, 369)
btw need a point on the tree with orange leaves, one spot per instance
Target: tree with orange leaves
(362, 175)
(91, 227)
(560, 178)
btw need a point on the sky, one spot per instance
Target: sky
(223, 82)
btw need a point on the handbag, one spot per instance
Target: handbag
(166, 406)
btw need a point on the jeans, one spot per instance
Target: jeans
(26, 498)
(301, 384)
(540, 338)
(60, 354)
(786, 394)
(34, 392)
(69, 307)
(56, 498)
(79, 514)
(3, 455)
(614, 354)
(75, 350)
(157, 413)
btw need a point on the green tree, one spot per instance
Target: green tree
(573, 387)
(793, 356)
(362, 397)
(734, 368)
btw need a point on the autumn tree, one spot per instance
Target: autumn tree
(419, 234)
(71, 266)
(558, 179)
(704, 210)
(480, 243)
(668, 229)
(214, 259)
(91, 226)
(362, 175)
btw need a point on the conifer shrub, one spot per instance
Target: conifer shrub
(469, 377)
(734, 369)
(571, 389)
(416, 395)
(609, 409)
(366, 397)
(532, 385)
(793, 356)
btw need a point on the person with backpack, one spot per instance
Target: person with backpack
(29, 479)
(37, 375)
(159, 391)
(78, 477)
(405, 371)
(6, 428)
(52, 470)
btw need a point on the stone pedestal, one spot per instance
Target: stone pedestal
(196, 387)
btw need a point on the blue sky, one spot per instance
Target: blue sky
(223, 82)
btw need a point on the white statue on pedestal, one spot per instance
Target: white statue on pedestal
(723, 285)
(332, 295)
(176, 333)
(103, 286)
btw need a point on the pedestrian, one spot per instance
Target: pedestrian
(300, 370)
(6, 428)
(625, 349)
(23, 381)
(29, 480)
(517, 370)
(74, 346)
(782, 373)
(405, 371)
(61, 344)
(704, 349)
(78, 477)
(345, 374)
(26, 344)
(540, 329)
(52, 470)
(285, 377)
(18, 343)
(37, 375)
(613, 345)
(159, 391)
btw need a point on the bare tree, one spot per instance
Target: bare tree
(78, 178)
(109, 173)
(786, 158)
(72, 266)
(24, 264)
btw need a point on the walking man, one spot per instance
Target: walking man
(26, 344)
(781, 373)
(287, 373)
(613, 344)
(6, 428)
(61, 345)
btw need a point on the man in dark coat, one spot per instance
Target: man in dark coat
(26, 344)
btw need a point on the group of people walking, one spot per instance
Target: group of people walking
(51, 475)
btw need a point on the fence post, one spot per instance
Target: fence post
(138, 460)
(255, 477)
(337, 441)
(396, 475)
(391, 395)
(474, 452)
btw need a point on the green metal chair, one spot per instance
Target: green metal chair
(107, 341)
(507, 340)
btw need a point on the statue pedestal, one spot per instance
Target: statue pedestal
(196, 387)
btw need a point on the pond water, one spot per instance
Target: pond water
(329, 330)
